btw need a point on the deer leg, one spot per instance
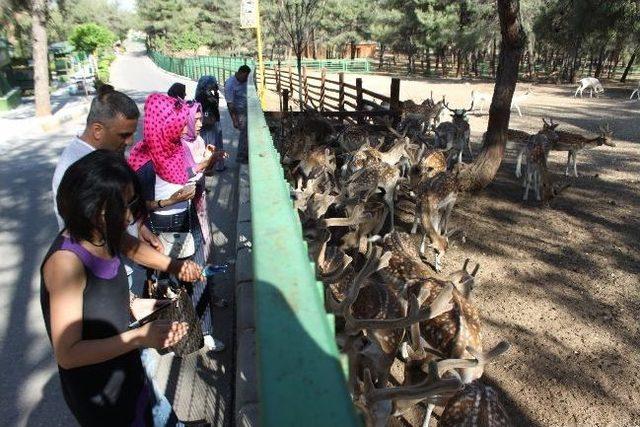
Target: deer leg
(460, 153)
(566, 169)
(388, 199)
(519, 112)
(537, 184)
(414, 228)
(427, 416)
(469, 147)
(575, 164)
(526, 189)
(437, 262)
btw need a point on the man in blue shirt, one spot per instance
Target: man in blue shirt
(235, 91)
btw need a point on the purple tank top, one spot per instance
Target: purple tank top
(100, 267)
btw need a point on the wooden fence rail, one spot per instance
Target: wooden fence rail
(330, 97)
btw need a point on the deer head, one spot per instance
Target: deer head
(605, 135)
(464, 280)
(459, 113)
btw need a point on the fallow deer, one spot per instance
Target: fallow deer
(461, 131)
(536, 172)
(548, 130)
(436, 198)
(518, 99)
(590, 83)
(636, 92)
(574, 144)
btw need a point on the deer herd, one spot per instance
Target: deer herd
(374, 203)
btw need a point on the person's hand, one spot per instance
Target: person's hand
(142, 307)
(182, 195)
(160, 334)
(147, 236)
(185, 270)
(220, 155)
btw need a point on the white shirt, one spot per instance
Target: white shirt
(163, 191)
(74, 152)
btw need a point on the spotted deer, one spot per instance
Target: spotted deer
(575, 143)
(548, 130)
(457, 134)
(536, 172)
(435, 199)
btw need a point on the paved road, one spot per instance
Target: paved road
(200, 386)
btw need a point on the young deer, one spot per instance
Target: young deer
(548, 130)
(574, 144)
(536, 172)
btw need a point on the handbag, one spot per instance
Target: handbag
(181, 310)
(179, 245)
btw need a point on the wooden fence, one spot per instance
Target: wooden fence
(332, 98)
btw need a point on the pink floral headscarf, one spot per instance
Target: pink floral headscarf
(192, 143)
(164, 120)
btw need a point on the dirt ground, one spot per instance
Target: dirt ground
(561, 283)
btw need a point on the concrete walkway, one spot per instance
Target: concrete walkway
(199, 386)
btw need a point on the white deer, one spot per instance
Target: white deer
(517, 99)
(636, 92)
(590, 83)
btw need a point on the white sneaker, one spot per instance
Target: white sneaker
(213, 344)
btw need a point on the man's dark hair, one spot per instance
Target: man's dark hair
(177, 90)
(244, 69)
(108, 104)
(94, 184)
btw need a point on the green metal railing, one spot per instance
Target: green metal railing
(219, 66)
(361, 65)
(300, 377)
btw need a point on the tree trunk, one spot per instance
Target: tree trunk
(314, 54)
(382, 48)
(628, 67)
(428, 61)
(40, 58)
(484, 168)
(493, 57)
(612, 71)
(599, 63)
(459, 63)
(352, 46)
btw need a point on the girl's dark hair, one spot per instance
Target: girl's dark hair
(94, 184)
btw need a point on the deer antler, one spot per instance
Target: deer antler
(357, 216)
(374, 262)
(415, 392)
(415, 314)
(387, 122)
(487, 356)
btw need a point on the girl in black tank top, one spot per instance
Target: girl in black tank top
(84, 297)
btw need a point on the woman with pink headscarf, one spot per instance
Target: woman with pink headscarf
(169, 184)
(200, 158)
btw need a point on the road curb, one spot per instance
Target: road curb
(246, 396)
